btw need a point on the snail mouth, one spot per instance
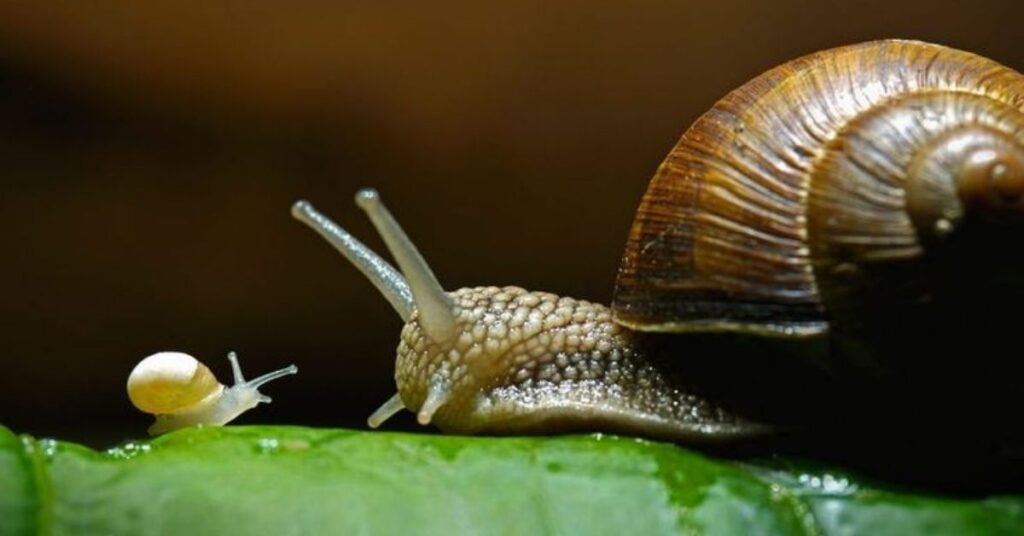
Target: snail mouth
(438, 394)
(434, 401)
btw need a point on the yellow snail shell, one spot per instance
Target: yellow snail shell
(180, 391)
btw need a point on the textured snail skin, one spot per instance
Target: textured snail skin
(532, 361)
(505, 360)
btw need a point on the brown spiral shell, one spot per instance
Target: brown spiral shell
(818, 180)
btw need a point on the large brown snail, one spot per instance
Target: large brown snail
(851, 199)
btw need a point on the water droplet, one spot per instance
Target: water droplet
(128, 450)
(268, 445)
(827, 483)
(49, 447)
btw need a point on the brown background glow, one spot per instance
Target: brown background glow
(149, 153)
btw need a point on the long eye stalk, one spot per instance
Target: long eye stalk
(388, 281)
(418, 290)
(434, 304)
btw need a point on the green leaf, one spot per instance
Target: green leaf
(23, 490)
(290, 480)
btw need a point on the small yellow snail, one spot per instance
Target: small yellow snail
(180, 391)
(866, 200)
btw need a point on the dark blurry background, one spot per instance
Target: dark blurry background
(149, 154)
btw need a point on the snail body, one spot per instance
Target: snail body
(506, 360)
(827, 199)
(180, 391)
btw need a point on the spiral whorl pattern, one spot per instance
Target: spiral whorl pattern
(797, 176)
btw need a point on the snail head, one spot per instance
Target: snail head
(457, 347)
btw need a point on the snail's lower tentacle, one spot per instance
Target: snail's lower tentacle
(386, 411)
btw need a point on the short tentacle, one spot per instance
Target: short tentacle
(386, 411)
